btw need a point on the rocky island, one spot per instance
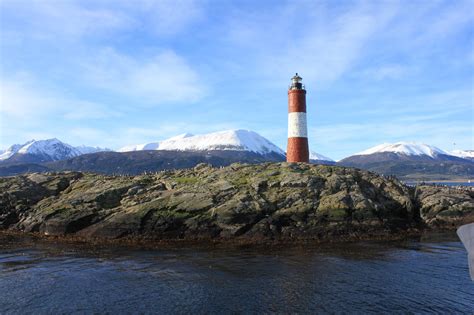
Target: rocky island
(255, 203)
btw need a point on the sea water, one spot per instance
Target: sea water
(418, 275)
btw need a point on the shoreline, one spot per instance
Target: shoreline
(434, 181)
(240, 205)
(149, 243)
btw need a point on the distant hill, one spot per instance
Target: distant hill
(10, 169)
(406, 160)
(465, 154)
(235, 140)
(182, 151)
(317, 158)
(138, 162)
(410, 160)
(38, 151)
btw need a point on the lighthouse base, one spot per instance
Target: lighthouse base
(297, 150)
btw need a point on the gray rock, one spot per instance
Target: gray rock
(256, 202)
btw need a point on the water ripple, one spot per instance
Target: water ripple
(365, 277)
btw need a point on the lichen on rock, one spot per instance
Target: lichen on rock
(270, 201)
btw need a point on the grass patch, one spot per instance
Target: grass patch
(239, 182)
(334, 213)
(186, 180)
(174, 214)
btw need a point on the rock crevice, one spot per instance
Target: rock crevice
(263, 201)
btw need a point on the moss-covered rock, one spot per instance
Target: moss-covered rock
(264, 201)
(445, 206)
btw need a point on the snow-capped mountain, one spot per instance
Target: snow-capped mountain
(44, 150)
(405, 148)
(83, 149)
(410, 159)
(151, 145)
(400, 151)
(251, 146)
(319, 157)
(223, 148)
(52, 148)
(465, 154)
(12, 150)
(238, 140)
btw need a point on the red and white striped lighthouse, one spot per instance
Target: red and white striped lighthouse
(297, 150)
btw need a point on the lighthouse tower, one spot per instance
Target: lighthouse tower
(297, 150)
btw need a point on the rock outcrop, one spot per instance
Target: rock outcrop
(272, 201)
(445, 207)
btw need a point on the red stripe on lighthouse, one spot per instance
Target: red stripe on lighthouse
(298, 150)
(296, 101)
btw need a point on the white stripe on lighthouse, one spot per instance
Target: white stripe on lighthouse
(297, 125)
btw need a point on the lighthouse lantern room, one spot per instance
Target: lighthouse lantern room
(296, 83)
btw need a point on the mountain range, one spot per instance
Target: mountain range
(45, 151)
(465, 154)
(404, 159)
(238, 140)
(411, 160)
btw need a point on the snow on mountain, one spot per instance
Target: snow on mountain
(240, 140)
(406, 148)
(136, 147)
(465, 154)
(151, 145)
(12, 150)
(181, 136)
(53, 148)
(83, 149)
(319, 157)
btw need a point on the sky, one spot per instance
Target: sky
(112, 73)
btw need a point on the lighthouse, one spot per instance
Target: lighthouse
(297, 150)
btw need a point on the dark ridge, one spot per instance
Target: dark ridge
(405, 166)
(18, 169)
(139, 162)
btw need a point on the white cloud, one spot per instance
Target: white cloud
(422, 28)
(53, 20)
(74, 19)
(153, 62)
(166, 17)
(388, 71)
(164, 78)
(86, 110)
(306, 37)
(458, 14)
(17, 99)
(437, 118)
(88, 135)
(21, 97)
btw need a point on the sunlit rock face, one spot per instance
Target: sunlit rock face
(269, 201)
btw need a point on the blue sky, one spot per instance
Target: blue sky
(112, 73)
